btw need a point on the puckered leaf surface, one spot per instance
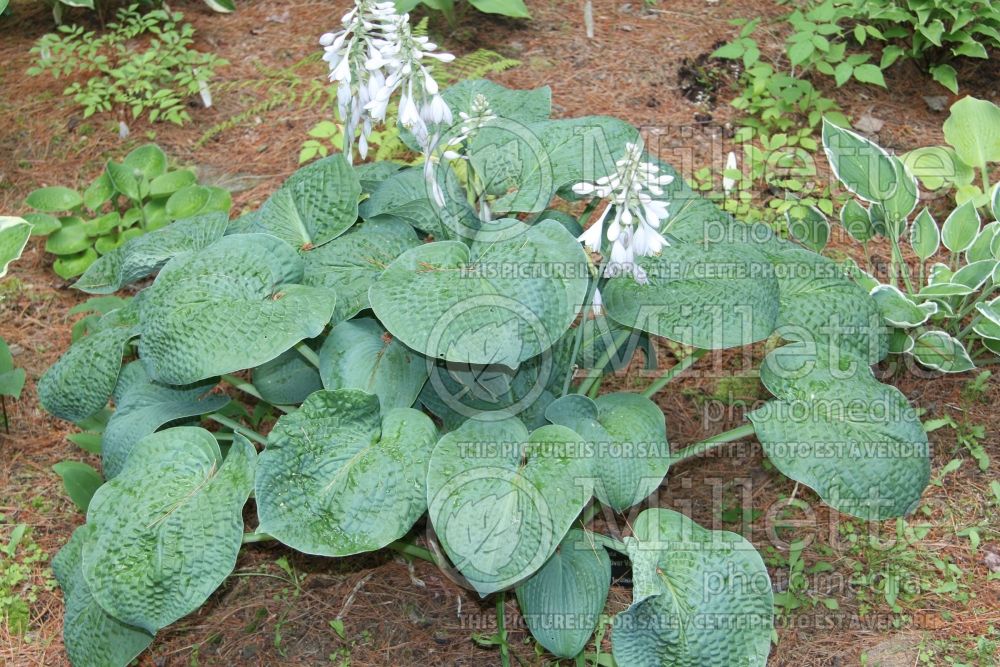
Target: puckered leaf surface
(701, 598)
(337, 478)
(167, 529)
(501, 501)
(231, 306)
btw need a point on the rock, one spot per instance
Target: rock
(900, 650)
(936, 102)
(868, 124)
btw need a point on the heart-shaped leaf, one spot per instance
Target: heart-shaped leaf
(351, 263)
(973, 129)
(337, 479)
(179, 538)
(700, 597)
(563, 601)
(495, 303)
(92, 636)
(710, 296)
(360, 354)
(148, 160)
(628, 439)
(141, 256)
(144, 406)
(855, 441)
(204, 314)
(407, 196)
(501, 501)
(317, 203)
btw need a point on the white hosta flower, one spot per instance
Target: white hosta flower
(375, 55)
(729, 183)
(634, 228)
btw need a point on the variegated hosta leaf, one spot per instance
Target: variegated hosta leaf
(14, 234)
(710, 296)
(168, 528)
(628, 437)
(820, 305)
(407, 196)
(288, 379)
(141, 256)
(855, 441)
(231, 306)
(941, 352)
(498, 302)
(360, 354)
(80, 383)
(351, 263)
(562, 602)
(501, 501)
(337, 479)
(317, 203)
(144, 406)
(701, 598)
(92, 637)
(899, 310)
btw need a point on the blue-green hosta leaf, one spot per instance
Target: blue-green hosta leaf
(317, 203)
(495, 303)
(701, 598)
(899, 310)
(288, 379)
(230, 306)
(710, 296)
(941, 352)
(143, 255)
(360, 354)
(524, 106)
(628, 435)
(79, 480)
(144, 406)
(337, 479)
(14, 233)
(370, 174)
(973, 129)
(961, 227)
(167, 530)
(81, 381)
(563, 601)
(350, 263)
(501, 501)
(406, 196)
(855, 441)
(819, 304)
(92, 637)
(864, 167)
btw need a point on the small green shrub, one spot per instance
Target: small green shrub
(142, 64)
(946, 317)
(126, 200)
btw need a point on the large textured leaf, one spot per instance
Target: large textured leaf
(563, 601)
(287, 379)
(80, 383)
(317, 203)
(337, 479)
(231, 306)
(501, 501)
(144, 406)
(628, 436)
(701, 598)
(406, 196)
(352, 262)
(709, 296)
(92, 637)
(167, 530)
(523, 106)
(360, 354)
(14, 233)
(855, 441)
(819, 304)
(143, 255)
(494, 303)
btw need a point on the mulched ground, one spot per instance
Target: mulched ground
(638, 68)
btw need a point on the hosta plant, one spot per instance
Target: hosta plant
(14, 233)
(140, 194)
(946, 314)
(425, 359)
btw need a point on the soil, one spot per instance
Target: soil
(646, 65)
